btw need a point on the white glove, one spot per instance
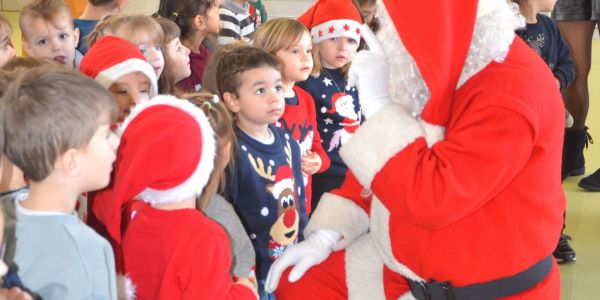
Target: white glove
(370, 74)
(310, 252)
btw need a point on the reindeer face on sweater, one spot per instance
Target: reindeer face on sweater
(285, 230)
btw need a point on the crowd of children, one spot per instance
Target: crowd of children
(120, 180)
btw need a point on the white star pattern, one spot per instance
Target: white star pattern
(327, 81)
(323, 96)
(264, 211)
(328, 121)
(271, 162)
(244, 148)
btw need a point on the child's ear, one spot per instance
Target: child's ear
(121, 4)
(26, 47)
(70, 163)
(231, 101)
(76, 36)
(199, 23)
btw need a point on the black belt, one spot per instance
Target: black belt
(494, 289)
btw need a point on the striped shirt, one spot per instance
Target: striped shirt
(236, 22)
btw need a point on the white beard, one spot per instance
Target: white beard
(492, 36)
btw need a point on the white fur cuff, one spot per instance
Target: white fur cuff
(364, 270)
(381, 137)
(341, 215)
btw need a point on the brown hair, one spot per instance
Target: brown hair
(222, 124)
(183, 12)
(45, 9)
(171, 32)
(49, 110)
(239, 60)
(209, 78)
(102, 2)
(278, 34)
(126, 26)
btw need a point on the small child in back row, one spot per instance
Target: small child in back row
(265, 186)
(291, 42)
(57, 126)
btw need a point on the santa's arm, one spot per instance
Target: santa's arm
(433, 187)
(344, 210)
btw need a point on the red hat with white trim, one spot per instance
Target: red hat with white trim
(112, 57)
(332, 18)
(284, 179)
(166, 155)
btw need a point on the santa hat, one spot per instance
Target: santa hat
(332, 18)
(112, 57)
(166, 155)
(334, 100)
(284, 179)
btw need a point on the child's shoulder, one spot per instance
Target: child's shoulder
(547, 22)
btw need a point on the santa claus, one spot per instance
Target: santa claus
(454, 187)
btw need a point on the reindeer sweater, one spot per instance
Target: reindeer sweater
(300, 120)
(267, 193)
(338, 113)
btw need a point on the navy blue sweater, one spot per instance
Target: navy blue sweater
(545, 39)
(338, 114)
(267, 192)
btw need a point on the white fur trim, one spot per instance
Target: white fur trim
(108, 76)
(375, 142)
(364, 270)
(338, 26)
(129, 289)
(433, 133)
(341, 215)
(194, 185)
(380, 230)
(281, 186)
(485, 7)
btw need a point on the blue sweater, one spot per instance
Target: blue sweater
(267, 192)
(338, 114)
(545, 39)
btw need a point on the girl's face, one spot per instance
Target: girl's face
(178, 57)
(212, 18)
(337, 52)
(151, 50)
(129, 90)
(297, 59)
(7, 52)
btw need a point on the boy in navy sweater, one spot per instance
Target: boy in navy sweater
(266, 186)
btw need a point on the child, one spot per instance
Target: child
(57, 126)
(258, 12)
(7, 51)
(236, 22)
(119, 67)
(197, 19)
(335, 28)
(171, 250)
(209, 80)
(141, 30)
(265, 186)
(214, 205)
(94, 11)
(543, 36)
(48, 31)
(177, 58)
(290, 41)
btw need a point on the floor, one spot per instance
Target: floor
(581, 280)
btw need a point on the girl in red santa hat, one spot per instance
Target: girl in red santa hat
(454, 190)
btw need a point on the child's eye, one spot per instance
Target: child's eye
(260, 91)
(63, 35)
(157, 48)
(144, 91)
(42, 42)
(309, 51)
(279, 89)
(295, 51)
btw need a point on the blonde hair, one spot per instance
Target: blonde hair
(45, 9)
(278, 34)
(127, 26)
(221, 121)
(171, 32)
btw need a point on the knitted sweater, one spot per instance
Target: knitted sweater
(236, 22)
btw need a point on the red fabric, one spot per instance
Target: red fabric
(179, 254)
(439, 66)
(302, 117)
(198, 62)
(152, 137)
(327, 10)
(107, 52)
(452, 219)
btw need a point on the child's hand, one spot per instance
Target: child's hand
(311, 163)
(14, 294)
(250, 283)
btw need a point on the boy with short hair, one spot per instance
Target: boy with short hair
(57, 130)
(48, 31)
(266, 186)
(236, 22)
(95, 10)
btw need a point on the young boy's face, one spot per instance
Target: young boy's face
(98, 157)
(55, 39)
(129, 90)
(178, 56)
(7, 52)
(337, 52)
(260, 98)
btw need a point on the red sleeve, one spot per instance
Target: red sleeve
(305, 97)
(352, 190)
(204, 271)
(434, 187)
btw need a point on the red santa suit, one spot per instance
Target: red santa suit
(468, 193)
